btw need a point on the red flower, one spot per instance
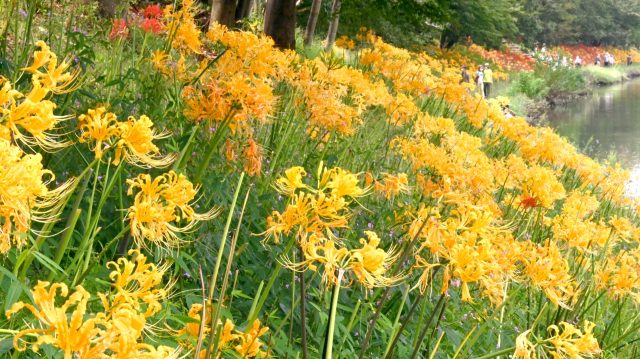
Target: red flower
(152, 11)
(530, 202)
(151, 25)
(119, 29)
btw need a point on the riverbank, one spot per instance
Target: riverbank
(533, 94)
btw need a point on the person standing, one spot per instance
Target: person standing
(488, 80)
(464, 74)
(629, 60)
(597, 60)
(479, 78)
(578, 61)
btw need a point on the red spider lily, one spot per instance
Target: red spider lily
(506, 59)
(151, 25)
(152, 12)
(119, 29)
(530, 202)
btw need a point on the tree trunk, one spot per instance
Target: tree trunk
(333, 26)
(311, 23)
(108, 8)
(243, 9)
(448, 38)
(280, 22)
(223, 12)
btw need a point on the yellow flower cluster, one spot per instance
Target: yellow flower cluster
(238, 87)
(132, 140)
(29, 118)
(573, 224)
(470, 246)
(479, 169)
(619, 275)
(24, 196)
(564, 342)
(115, 332)
(313, 214)
(246, 343)
(182, 28)
(159, 206)
(392, 185)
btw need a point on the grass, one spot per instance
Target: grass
(600, 75)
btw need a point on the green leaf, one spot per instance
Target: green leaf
(49, 263)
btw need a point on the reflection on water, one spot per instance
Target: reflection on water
(606, 126)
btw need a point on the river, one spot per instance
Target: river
(606, 126)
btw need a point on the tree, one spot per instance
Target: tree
(333, 25)
(243, 9)
(280, 22)
(591, 22)
(223, 12)
(405, 23)
(488, 22)
(312, 21)
(108, 7)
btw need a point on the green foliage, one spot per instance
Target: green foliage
(488, 22)
(591, 22)
(415, 23)
(604, 75)
(406, 23)
(529, 84)
(544, 81)
(565, 80)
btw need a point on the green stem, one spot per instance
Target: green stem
(179, 162)
(274, 274)
(48, 226)
(422, 335)
(213, 146)
(404, 324)
(66, 237)
(376, 315)
(328, 349)
(225, 281)
(498, 353)
(303, 313)
(223, 241)
(102, 252)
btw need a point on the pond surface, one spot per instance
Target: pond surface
(605, 126)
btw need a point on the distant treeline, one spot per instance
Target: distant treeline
(412, 23)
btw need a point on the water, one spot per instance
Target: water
(606, 126)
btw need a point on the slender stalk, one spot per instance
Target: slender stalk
(66, 237)
(203, 314)
(223, 241)
(464, 341)
(498, 353)
(213, 146)
(28, 259)
(328, 348)
(403, 257)
(178, 164)
(293, 300)
(254, 304)
(435, 349)
(435, 327)
(303, 313)
(253, 314)
(423, 334)
(349, 326)
(406, 320)
(225, 281)
(102, 252)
